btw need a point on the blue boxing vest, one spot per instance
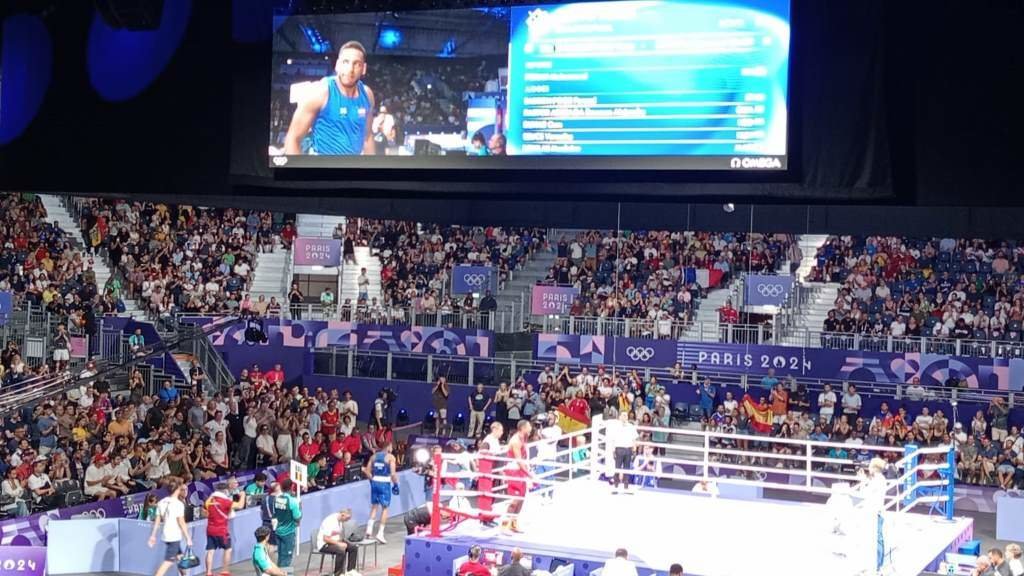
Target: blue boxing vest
(380, 469)
(340, 128)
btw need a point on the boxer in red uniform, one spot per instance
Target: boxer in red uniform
(518, 471)
(489, 446)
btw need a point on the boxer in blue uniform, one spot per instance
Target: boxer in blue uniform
(339, 112)
(380, 469)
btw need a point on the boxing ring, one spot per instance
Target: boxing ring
(702, 504)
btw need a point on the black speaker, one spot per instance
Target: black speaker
(131, 14)
(354, 473)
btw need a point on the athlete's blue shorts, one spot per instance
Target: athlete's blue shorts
(380, 494)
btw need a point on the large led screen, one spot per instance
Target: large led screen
(660, 84)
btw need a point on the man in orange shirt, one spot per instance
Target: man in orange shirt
(780, 403)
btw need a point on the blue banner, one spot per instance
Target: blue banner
(6, 304)
(764, 290)
(472, 279)
(816, 363)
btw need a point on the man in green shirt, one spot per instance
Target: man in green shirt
(256, 487)
(313, 470)
(260, 559)
(287, 513)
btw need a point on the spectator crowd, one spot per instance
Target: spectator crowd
(417, 261)
(939, 288)
(644, 274)
(96, 443)
(180, 258)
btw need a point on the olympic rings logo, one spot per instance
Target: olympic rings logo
(639, 354)
(475, 280)
(95, 513)
(771, 290)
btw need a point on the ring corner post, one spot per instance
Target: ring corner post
(950, 474)
(435, 512)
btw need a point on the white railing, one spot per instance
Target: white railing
(697, 456)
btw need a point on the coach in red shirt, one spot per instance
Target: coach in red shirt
(219, 507)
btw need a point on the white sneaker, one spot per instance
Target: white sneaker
(380, 537)
(353, 573)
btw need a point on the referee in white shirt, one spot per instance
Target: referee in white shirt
(622, 438)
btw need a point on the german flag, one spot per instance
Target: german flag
(760, 418)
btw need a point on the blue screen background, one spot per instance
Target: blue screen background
(691, 103)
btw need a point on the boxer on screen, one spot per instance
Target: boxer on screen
(338, 113)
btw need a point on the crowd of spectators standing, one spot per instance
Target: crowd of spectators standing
(642, 274)
(180, 258)
(938, 288)
(95, 443)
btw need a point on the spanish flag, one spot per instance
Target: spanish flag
(574, 416)
(760, 417)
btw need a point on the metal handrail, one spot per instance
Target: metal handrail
(499, 320)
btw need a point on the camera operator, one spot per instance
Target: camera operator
(382, 407)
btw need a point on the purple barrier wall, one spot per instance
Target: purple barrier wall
(820, 363)
(31, 530)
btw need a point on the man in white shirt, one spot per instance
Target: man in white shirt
(363, 281)
(171, 515)
(40, 486)
(827, 403)
(620, 565)
(349, 406)
(217, 424)
(915, 392)
(333, 538)
(157, 458)
(851, 402)
(924, 419)
(622, 437)
(97, 476)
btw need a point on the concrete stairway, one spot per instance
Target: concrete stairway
(809, 244)
(318, 225)
(350, 276)
(56, 212)
(705, 325)
(814, 311)
(270, 277)
(523, 279)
